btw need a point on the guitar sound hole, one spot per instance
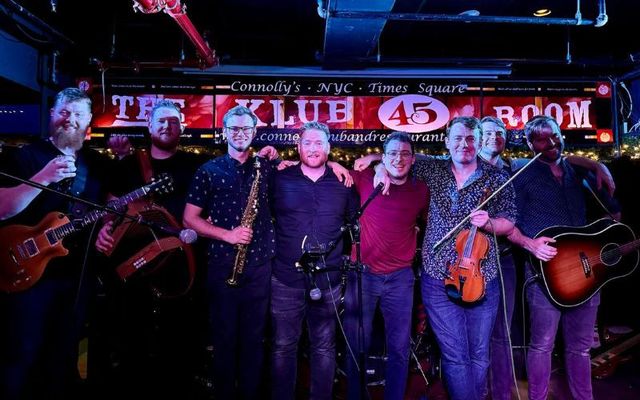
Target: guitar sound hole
(610, 254)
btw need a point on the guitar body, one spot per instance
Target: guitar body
(26, 250)
(588, 257)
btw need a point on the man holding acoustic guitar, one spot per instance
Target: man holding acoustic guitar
(550, 193)
(157, 301)
(39, 329)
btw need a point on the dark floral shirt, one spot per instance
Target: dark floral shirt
(221, 188)
(449, 206)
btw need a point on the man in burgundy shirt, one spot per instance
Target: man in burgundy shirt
(388, 237)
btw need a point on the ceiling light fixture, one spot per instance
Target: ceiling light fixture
(470, 13)
(543, 12)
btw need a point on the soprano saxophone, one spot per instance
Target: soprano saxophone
(248, 216)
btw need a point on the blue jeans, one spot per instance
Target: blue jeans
(289, 307)
(501, 375)
(577, 331)
(463, 333)
(394, 293)
(238, 317)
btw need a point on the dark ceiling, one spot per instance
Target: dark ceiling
(292, 33)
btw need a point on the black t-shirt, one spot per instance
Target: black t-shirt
(181, 167)
(30, 159)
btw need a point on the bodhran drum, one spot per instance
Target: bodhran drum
(151, 255)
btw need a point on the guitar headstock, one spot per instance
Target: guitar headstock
(161, 184)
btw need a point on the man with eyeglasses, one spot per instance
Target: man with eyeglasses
(388, 245)
(457, 185)
(492, 145)
(220, 191)
(40, 326)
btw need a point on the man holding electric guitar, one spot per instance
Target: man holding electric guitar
(40, 324)
(550, 193)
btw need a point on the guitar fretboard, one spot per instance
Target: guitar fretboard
(60, 232)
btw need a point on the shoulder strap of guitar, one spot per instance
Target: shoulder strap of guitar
(144, 161)
(586, 184)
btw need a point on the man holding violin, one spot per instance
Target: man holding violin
(458, 185)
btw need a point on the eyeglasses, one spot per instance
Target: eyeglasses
(402, 154)
(235, 130)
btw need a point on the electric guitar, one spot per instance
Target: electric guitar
(25, 251)
(588, 257)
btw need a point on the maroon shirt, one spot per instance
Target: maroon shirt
(388, 225)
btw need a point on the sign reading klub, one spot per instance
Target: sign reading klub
(357, 117)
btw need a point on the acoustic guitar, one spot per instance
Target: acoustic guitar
(588, 257)
(25, 251)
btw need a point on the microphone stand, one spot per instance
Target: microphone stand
(106, 208)
(310, 267)
(354, 231)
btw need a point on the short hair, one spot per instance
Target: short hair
(402, 137)
(70, 95)
(317, 126)
(239, 111)
(538, 123)
(468, 122)
(495, 120)
(164, 103)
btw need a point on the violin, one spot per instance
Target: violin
(465, 280)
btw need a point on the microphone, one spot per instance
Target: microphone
(376, 191)
(315, 293)
(186, 236)
(372, 196)
(307, 265)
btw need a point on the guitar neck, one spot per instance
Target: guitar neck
(629, 247)
(70, 227)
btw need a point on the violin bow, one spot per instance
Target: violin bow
(465, 219)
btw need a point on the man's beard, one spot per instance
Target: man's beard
(240, 148)
(73, 140)
(165, 144)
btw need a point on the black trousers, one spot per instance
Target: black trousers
(238, 316)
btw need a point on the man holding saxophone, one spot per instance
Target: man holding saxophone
(232, 190)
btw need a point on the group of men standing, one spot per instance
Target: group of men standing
(301, 210)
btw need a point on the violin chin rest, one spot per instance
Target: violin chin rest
(452, 291)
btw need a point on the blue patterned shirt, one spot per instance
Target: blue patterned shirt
(221, 188)
(449, 206)
(543, 202)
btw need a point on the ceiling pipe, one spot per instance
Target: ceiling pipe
(177, 11)
(602, 17)
(598, 22)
